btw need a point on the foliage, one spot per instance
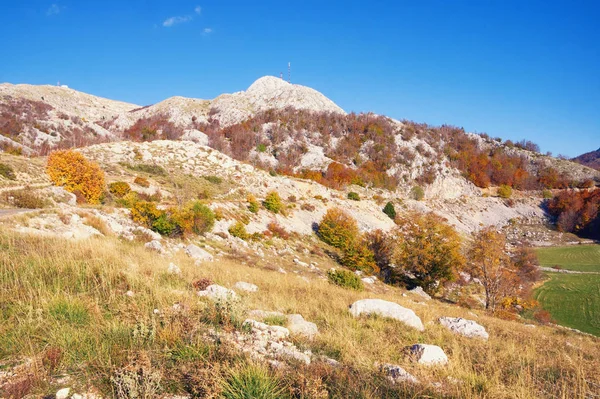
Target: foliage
(273, 202)
(417, 193)
(119, 189)
(426, 248)
(194, 218)
(338, 229)
(577, 211)
(24, 198)
(239, 230)
(7, 171)
(489, 262)
(153, 128)
(278, 231)
(76, 173)
(253, 205)
(382, 245)
(261, 148)
(253, 382)
(389, 210)
(504, 191)
(141, 181)
(346, 279)
(353, 196)
(151, 169)
(213, 179)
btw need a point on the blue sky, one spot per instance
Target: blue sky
(510, 68)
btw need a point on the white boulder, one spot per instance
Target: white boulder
(198, 253)
(397, 374)
(419, 291)
(63, 393)
(298, 326)
(218, 293)
(468, 328)
(386, 309)
(173, 269)
(428, 354)
(154, 245)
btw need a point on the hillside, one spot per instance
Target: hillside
(590, 159)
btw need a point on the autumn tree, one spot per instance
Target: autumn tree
(71, 170)
(427, 251)
(490, 263)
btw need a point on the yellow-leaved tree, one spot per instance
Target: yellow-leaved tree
(71, 170)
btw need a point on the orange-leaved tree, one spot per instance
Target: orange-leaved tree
(71, 170)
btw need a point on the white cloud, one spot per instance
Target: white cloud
(207, 31)
(53, 10)
(176, 20)
(198, 10)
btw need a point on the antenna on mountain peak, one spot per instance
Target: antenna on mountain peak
(281, 75)
(289, 72)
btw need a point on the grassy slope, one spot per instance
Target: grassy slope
(573, 300)
(585, 258)
(70, 296)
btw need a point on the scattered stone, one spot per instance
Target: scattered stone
(218, 293)
(397, 374)
(275, 332)
(530, 326)
(130, 294)
(243, 286)
(154, 245)
(387, 309)
(419, 291)
(282, 271)
(173, 269)
(368, 280)
(63, 393)
(428, 354)
(467, 328)
(300, 263)
(198, 254)
(298, 326)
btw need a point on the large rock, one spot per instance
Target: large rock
(419, 291)
(465, 327)
(428, 354)
(198, 253)
(386, 309)
(397, 374)
(218, 293)
(298, 326)
(154, 245)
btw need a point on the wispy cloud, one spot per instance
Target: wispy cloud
(207, 31)
(181, 19)
(53, 10)
(169, 22)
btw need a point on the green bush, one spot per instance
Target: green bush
(213, 179)
(417, 193)
(151, 169)
(273, 202)
(389, 210)
(504, 191)
(119, 189)
(239, 230)
(253, 205)
(7, 171)
(346, 279)
(204, 218)
(338, 229)
(353, 196)
(261, 148)
(547, 194)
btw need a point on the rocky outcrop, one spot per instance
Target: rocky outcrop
(397, 374)
(298, 326)
(198, 254)
(386, 309)
(218, 293)
(428, 355)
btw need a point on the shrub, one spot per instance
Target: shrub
(253, 382)
(76, 173)
(261, 148)
(307, 207)
(24, 198)
(353, 196)
(278, 231)
(504, 191)
(202, 283)
(338, 229)
(253, 205)
(142, 181)
(359, 257)
(7, 171)
(389, 210)
(145, 213)
(547, 194)
(346, 279)
(151, 169)
(273, 202)
(119, 189)
(213, 179)
(417, 193)
(239, 230)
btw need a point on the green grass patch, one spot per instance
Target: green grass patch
(584, 258)
(573, 300)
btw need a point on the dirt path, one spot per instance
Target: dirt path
(553, 270)
(36, 185)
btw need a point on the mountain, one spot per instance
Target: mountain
(591, 159)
